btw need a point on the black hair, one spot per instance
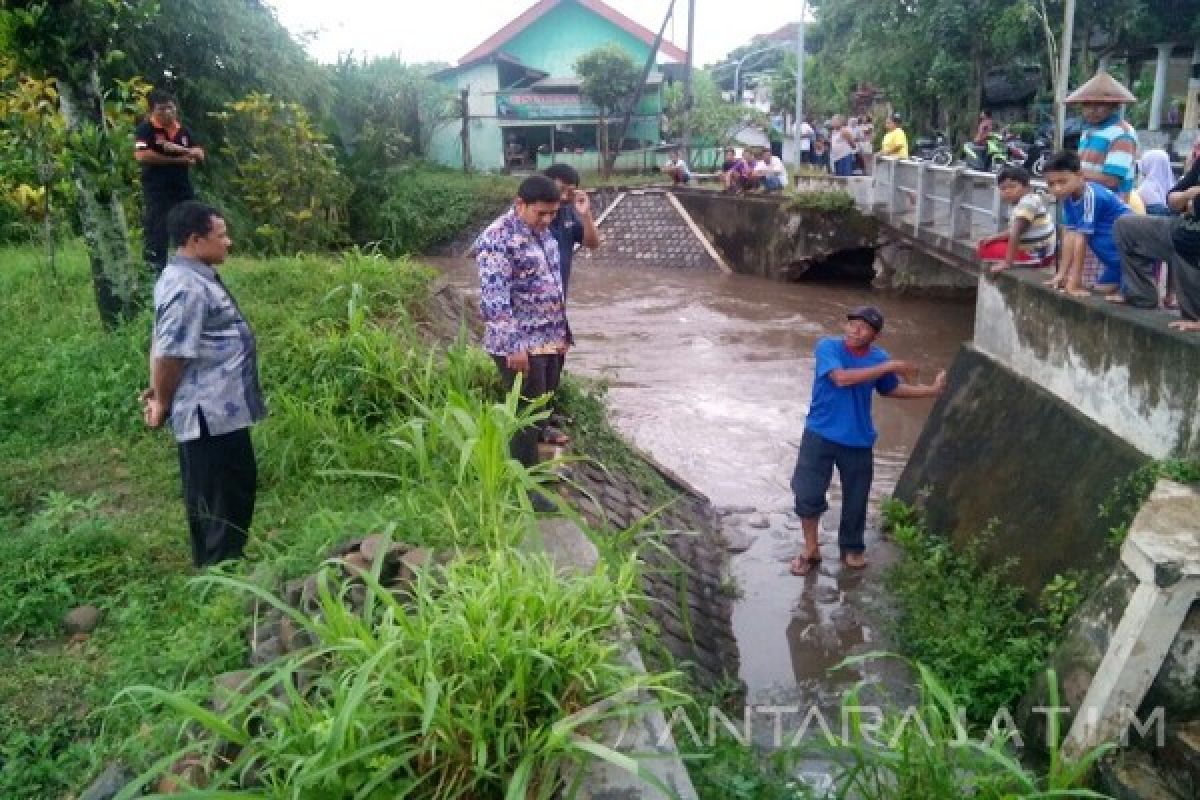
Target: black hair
(1063, 161)
(190, 219)
(539, 189)
(895, 118)
(562, 172)
(158, 97)
(985, 113)
(1013, 172)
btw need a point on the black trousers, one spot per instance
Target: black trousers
(542, 378)
(220, 481)
(155, 245)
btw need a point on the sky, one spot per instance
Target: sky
(443, 30)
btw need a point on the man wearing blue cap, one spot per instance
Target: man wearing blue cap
(839, 431)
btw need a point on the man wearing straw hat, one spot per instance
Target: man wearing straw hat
(1107, 153)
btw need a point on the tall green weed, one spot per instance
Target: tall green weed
(483, 680)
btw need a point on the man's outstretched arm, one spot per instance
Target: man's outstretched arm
(921, 390)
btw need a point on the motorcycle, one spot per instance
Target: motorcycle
(935, 150)
(1000, 152)
(1035, 158)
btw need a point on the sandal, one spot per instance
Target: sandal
(862, 563)
(802, 565)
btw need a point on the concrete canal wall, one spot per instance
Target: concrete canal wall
(1051, 405)
(766, 236)
(1050, 408)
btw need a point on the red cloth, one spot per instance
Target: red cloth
(996, 248)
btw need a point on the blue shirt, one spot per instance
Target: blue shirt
(196, 319)
(1094, 214)
(842, 414)
(568, 231)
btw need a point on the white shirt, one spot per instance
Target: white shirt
(806, 137)
(773, 167)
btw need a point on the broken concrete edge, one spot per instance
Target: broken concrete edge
(647, 738)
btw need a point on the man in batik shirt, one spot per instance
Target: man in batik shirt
(521, 299)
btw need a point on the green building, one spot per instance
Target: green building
(524, 106)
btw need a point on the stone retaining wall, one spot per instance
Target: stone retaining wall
(687, 569)
(646, 229)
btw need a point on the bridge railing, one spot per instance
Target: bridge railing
(929, 201)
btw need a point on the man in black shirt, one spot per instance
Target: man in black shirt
(166, 150)
(1145, 241)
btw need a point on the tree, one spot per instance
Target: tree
(74, 41)
(608, 77)
(714, 121)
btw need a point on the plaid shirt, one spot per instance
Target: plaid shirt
(1108, 154)
(521, 295)
(197, 320)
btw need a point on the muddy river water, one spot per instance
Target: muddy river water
(712, 374)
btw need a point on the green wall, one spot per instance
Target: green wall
(568, 31)
(487, 148)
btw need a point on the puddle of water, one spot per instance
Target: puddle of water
(712, 374)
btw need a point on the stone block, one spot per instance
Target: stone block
(81, 619)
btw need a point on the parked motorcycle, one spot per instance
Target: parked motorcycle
(1035, 157)
(1000, 152)
(935, 150)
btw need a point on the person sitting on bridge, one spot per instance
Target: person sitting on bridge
(771, 171)
(1089, 213)
(734, 172)
(1145, 241)
(1029, 240)
(677, 168)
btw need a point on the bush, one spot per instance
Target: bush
(963, 620)
(284, 172)
(421, 207)
(832, 200)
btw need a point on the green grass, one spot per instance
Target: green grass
(371, 428)
(966, 622)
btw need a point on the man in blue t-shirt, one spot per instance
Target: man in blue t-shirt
(839, 431)
(1089, 212)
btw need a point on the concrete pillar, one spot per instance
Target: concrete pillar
(1163, 552)
(1191, 115)
(1160, 84)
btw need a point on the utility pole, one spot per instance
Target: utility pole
(1064, 74)
(799, 86)
(686, 137)
(465, 108)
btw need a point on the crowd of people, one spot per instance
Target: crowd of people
(1129, 230)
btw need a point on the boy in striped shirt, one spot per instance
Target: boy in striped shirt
(1030, 238)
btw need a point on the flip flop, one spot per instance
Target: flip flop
(802, 565)
(848, 565)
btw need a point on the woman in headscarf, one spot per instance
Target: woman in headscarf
(1157, 180)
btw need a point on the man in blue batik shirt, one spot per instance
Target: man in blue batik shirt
(204, 381)
(839, 431)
